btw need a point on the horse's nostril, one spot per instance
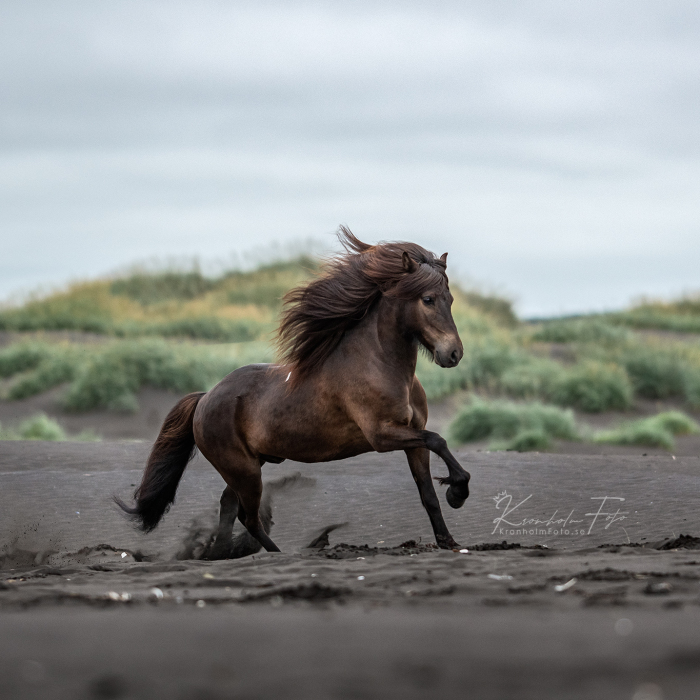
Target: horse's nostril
(454, 356)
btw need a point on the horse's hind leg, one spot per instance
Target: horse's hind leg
(419, 462)
(223, 539)
(249, 489)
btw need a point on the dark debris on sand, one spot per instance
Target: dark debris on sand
(680, 542)
(352, 551)
(500, 546)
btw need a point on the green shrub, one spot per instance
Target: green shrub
(657, 431)
(38, 427)
(152, 288)
(503, 420)
(21, 357)
(592, 387)
(208, 328)
(59, 312)
(41, 427)
(642, 433)
(580, 330)
(654, 372)
(691, 387)
(531, 379)
(533, 440)
(676, 422)
(111, 378)
(109, 375)
(54, 370)
(674, 318)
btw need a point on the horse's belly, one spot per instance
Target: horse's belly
(322, 443)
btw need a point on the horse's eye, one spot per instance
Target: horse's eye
(428, 301)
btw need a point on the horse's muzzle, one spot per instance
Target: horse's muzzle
(449, 357)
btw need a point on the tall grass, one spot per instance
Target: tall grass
(57, 368)
(613, 366)
(533, 426)
(592, 387)
(513, 426)
(681, 315)
(602, 367)
(153, 288)
(532, 378)
(235, 307)
(657, 431)
(655, 373)
(41, 427)
(109, 376)
(580, 330)
(21, 357)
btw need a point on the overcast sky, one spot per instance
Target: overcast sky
(552, 148)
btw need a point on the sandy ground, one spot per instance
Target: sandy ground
(593, 596)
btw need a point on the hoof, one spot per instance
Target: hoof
(453, 499)
(447, 543)
(218, 550)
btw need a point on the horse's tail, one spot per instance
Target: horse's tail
(173, 449)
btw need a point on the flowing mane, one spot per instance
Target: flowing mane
(316, 316)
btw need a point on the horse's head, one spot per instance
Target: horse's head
(428, 314)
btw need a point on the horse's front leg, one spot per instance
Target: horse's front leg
(419, 462)
(458, 479)
(386, 437)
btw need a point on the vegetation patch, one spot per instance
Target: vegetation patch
(580, 330)
(532, 378)
(154, 288)
(41, 427)
(603, 365)
(512, 426)
(592, 387)
(533, 426)
(108, 376)
(656, 431)
(656, 373)
(680, 316)
(21, 357)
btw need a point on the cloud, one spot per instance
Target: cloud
(512, 135)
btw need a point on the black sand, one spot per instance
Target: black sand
(372, 619)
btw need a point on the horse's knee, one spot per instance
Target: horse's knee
(436, 443)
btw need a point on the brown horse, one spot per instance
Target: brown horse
(346, 386)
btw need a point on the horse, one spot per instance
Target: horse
(345, 385)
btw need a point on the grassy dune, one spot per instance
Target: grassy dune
(236, 307)
(184, 331)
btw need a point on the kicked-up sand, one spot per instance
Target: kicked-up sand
(580, 578)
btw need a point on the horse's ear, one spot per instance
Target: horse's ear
(409, 263)
(443, 257)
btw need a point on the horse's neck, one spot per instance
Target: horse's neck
(382, 334)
